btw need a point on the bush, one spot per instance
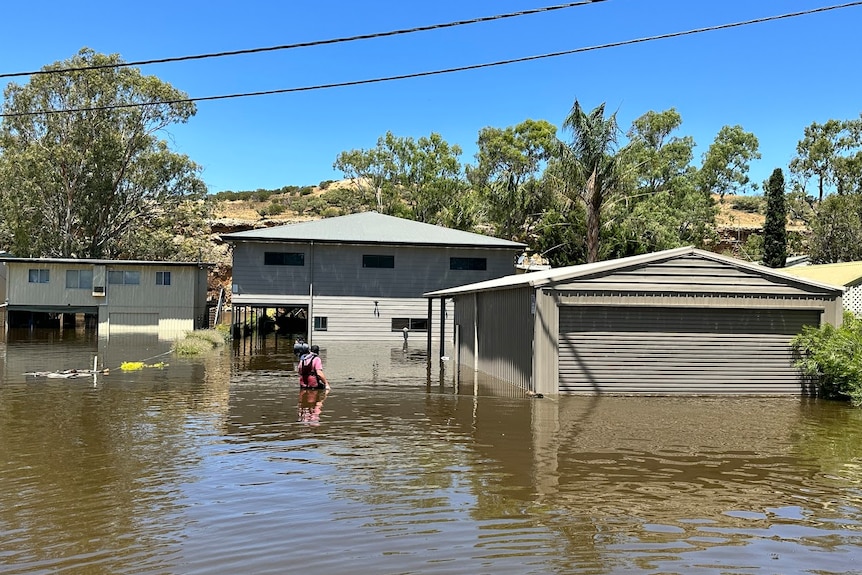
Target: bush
(273, 209)
(832, 359)
(750, 204)
(201, 341)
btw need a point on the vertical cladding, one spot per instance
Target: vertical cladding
(505, 330)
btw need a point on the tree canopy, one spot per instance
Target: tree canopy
(83, 172)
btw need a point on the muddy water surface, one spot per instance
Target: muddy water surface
(218, 465)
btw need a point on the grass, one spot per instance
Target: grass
(201, 341)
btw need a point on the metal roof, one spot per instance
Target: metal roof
(372, 228)
(558, 275)
(839, 274)
(104, 262)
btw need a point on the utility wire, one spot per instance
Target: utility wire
(310, 43)
(446, 70)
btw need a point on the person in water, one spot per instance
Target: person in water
(310, 405)
(310, 370)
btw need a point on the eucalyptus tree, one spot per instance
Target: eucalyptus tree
(775, 227)
(831, 154)
(508, 176)
(83, 171)
(590, 167)
(725, 164)
(836, 231)
(406, 177)
(660, 207)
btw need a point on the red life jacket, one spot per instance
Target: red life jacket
(307, 372)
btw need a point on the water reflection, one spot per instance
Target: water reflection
(220, 465)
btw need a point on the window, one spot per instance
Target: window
(376, 261)
(163, 278)
(472, 264)
(79, 279)
(117, 277)
(411, 323)
(37, 276)
(320, 323)
(283, 259)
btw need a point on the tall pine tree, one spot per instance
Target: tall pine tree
(775, 228)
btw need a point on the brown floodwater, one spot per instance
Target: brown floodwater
(217, 465)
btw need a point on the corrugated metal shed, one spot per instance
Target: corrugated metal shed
(681, 321)
(847, 274)
(372, 228)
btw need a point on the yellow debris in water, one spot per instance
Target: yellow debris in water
(132, 365)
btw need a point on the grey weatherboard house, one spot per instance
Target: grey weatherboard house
(361, 276)
(680, 321)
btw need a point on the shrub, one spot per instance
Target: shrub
(201, 341)
(832, 359)
(750, 204)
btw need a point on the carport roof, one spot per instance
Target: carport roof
(558, 275)
(843, 273)
(372, 228)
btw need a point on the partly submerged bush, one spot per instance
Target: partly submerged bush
(200, 341)
(832, 358)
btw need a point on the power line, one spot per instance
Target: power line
(310, 43)
(447, 70)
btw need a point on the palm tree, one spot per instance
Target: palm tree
(591, 165)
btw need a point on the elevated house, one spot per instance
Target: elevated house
(847, 274)
(117, 296)
(680, 321)
(360, 276)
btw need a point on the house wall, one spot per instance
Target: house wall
(336, 270)
(132, 307)
(358, 319)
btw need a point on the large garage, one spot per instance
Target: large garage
(682, 321)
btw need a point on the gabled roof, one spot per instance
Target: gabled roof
(566, 274)
(371, 228)
(839, 274)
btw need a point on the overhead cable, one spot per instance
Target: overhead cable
(309, 43)
(446, 70)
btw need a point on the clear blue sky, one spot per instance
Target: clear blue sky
(773, 79)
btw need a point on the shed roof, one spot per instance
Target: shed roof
(843, 273)
(559, 275)
(104, 262)
(372, 228)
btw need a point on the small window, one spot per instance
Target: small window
(377, 261)
(38, 276)
(117, 277)
(411, 323)
(320, 323)
(472, 264)
(283, 259)
(163, 278)
(79, 279)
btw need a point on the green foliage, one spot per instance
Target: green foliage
(832, 359)
(836, 232)
(726, 162)
(775, 228)
(753, 248)
(94, 182)
(201, 341)
(831, 155)
(749, 204)
(273, 209)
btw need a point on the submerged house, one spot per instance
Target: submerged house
(847, 274)
(119, 296)
(680, 321)
(360, 276)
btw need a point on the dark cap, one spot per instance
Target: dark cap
(315, 349)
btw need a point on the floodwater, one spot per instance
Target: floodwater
(217, 465)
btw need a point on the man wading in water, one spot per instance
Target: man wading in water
(310, 369)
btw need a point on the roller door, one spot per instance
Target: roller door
(665, 351)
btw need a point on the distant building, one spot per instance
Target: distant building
(118, 296)
(360, 276)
